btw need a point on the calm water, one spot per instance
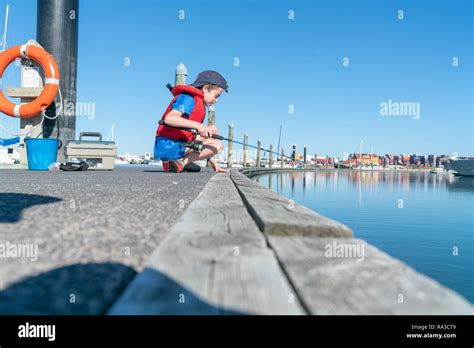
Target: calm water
(421, 218)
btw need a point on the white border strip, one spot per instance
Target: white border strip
(16, 110)
(24, 51)
(52, 81)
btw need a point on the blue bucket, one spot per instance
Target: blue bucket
(41, 152)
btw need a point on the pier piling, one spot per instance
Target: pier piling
(246, 139)
(211, 116)
(270, 157)
(180, 74)
(259, 144)
(304, 156)
(230, 145)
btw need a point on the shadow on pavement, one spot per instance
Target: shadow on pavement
(103, 288)
(80, 289)
(154, 293)
(13, 204)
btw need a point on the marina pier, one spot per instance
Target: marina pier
(130, 242)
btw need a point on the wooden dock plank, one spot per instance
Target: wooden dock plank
(214, 261)
(368, 282)
(277, 215)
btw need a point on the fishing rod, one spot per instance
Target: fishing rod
(199, 146)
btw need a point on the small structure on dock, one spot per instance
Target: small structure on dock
(57, 24)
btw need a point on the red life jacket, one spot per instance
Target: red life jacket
(198, 114)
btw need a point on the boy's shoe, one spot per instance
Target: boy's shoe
(176, 166)
(166, 166)
(192, 167)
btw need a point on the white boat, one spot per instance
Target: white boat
(368, 167)
(437, 170)
(121, 160)
(155, 163)
(147, 156)
(135, 160)
(129, 159)
(463, 166)
(341, 165)
(9, 156)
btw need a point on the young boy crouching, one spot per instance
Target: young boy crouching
(188, 110)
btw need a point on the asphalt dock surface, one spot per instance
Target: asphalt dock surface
(92, 232)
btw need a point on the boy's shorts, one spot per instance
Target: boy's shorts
(167, 149)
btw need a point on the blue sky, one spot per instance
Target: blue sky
(282, 62)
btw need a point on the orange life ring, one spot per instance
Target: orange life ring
(51, 82)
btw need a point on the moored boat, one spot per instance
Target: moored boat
(462, 166)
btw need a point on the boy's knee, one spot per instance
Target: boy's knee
(219, 146)
(214, 145)
(214, 129)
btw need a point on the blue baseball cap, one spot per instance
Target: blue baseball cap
(212, 78)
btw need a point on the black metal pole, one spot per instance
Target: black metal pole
(57, 29)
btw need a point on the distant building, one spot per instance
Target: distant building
(321, 160)
(389, 159)
(432, 160)
(365, 159)
(439, 160)
(405, 159)
(418, 160)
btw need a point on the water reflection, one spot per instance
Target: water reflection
(403, 180)
(418, 217)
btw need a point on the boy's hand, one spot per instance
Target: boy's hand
(215, 166)
(204, 131)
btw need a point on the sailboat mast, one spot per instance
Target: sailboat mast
(279, 137)
(5, 29)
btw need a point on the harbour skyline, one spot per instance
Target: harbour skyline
(400, 78)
